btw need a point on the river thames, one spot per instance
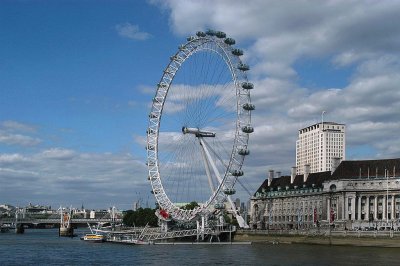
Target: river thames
(44, 247)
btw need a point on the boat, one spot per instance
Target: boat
(4, 229)
(96, 238)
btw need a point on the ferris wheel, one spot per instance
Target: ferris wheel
(199, 126)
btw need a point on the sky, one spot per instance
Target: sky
(77, 79)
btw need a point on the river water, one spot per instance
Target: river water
(44, 247)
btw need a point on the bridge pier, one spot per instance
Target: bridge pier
(19, 229)
(66, 231)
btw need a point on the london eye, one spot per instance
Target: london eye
(199, 127)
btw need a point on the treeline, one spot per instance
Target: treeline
(143, 216)
(140, 217)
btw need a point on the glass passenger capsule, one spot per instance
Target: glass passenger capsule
(230, 41)
(229, 191)
(219, 206)
(201, 34)
(249, 106)
(237, 172)
(237, 52)
(248, 129)
(243, 67)
(247, 85)
(220, 34)
(244, 151)
(211, 32)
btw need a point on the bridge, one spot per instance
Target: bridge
(58, 220)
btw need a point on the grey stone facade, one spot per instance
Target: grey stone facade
(357, 195)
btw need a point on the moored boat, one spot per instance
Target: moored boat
(96, 238)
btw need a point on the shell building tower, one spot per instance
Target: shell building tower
(320, 147)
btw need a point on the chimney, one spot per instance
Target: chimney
(335, 163)
(293, 174)
(278, 174)
(306, 171)
(270, 177)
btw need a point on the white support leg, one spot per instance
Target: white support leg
(239, 218)
(207, 166)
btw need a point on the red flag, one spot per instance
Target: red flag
(332, 216)
(164, 213)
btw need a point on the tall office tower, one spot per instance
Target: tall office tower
(320, 147)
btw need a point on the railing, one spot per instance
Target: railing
(152, 234)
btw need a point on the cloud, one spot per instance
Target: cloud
(18, 139)
(131, 31)
(15, 133)
(10, 125)
(12, 158)
(359, 37)
(58, 154)
(64, 177)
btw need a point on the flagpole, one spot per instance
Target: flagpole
(387, 195)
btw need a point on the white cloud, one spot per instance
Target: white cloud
(18, 139)
(12, 158)
(10, 125)
(58, 154)
(131, 31)
(60, 176)
(360, 36)
(17, 134)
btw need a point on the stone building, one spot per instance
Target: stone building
(318, 145)
(356, 195)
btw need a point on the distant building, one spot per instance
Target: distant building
(37, 209)
(320, 147)
(6, 210)
(81, 213)
(237, 204)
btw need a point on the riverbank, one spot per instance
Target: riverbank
(337, 240)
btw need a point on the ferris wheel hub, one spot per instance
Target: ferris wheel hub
(197, 132)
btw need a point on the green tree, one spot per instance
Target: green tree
(190, 206)
(140, 217)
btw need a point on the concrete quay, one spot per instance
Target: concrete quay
(340, 238)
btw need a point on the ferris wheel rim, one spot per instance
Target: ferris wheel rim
(240, 141)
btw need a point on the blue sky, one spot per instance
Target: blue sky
(77, 78)
(66, 60)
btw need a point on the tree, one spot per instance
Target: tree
(190, 206)
(140, 217)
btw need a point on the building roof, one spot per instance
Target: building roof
(314, 126)
(367, 169)
(315, 179)
(345, 170)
